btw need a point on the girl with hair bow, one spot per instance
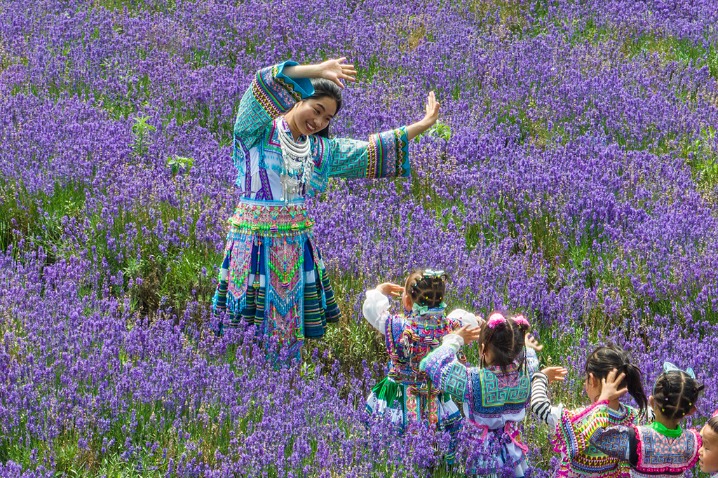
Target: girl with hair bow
(406, 395)
(662, 448)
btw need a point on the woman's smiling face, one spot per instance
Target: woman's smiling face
(313, 115)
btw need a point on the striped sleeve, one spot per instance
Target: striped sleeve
(540, 402)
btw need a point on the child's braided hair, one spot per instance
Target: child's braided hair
(676, 393)
(426, 287)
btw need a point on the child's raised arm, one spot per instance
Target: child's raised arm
(376, 304)
(540, 402)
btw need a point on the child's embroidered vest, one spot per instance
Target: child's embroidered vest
(410, 339)
(591, 462)
(658, 454)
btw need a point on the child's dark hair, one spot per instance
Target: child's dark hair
(324, 88)
(713, 422)
(505, 339)
(606, 358)
(426, 287)
(675, 394)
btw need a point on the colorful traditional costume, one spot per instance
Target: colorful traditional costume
(272, 275)
(406, 395)
(651, 450)
(572, 433)
(495, 403)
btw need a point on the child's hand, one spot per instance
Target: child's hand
(610, 384)
(390, 290)
(469, 335)
(555, 374)
(532, 343)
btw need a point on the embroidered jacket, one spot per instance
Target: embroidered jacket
(572, 433)
(651, 450)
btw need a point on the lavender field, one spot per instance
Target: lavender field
(573, 176)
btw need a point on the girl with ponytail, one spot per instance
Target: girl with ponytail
(572, 429)
(495, 395)
(661, 448)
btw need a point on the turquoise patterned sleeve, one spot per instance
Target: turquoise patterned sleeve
(270, 94)
(446, 372)
(385, 155)
(618, 442)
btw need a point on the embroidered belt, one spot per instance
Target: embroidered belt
(510, 430)
(270, 218)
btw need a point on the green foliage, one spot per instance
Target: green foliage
(141, 130)
(179, 164)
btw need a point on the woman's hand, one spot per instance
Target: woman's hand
(337, 70)
(469, 335)
(432, 110)
(610, 384)
(555, 374)
(432, 114)
(390, 289)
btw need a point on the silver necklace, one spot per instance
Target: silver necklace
(298, 164)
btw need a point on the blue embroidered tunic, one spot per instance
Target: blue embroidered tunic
(272, 275)
(494, 402)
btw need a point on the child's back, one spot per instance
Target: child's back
(662, 448)
(494, 400)
(572, 429)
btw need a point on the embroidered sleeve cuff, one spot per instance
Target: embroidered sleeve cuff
(388, 154)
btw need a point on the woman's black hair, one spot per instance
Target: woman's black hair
(675, 394)
(606, 358)
(505, 341)
(324, 88)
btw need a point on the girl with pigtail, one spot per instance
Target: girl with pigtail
(708, 453)
(495, 395)
(405, 395)
(572, 429)
(662, 448)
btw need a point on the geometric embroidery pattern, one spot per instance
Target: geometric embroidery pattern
(493, 393)
(240, 250)
(661, 454)
(455, 380)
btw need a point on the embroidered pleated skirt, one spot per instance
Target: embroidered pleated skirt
(404, 403)
(273, 276)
